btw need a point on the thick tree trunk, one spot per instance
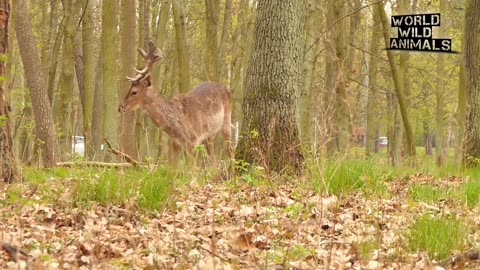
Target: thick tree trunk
(181, 46)
(8, 169)
(270, 132)
(37, 83)
(127, 53)
(472, 72)
(110, 73)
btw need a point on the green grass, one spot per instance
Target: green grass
(429, 194)
(438, 236)
(149, 190)
(140, 187)
(342, 176)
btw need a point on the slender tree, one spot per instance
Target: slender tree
(270, 131)
(181, 46)
(88, 75)
(440, 98)
(372, 105)
(410, 147)
(128, 54)
(63, 100)
(110, 72)
(8, 169)
(212, 8)
(36, 81)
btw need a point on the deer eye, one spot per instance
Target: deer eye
(134, 93)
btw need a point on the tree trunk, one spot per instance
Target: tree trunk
(311, 53)
(160, 41)
(8, 169)
(211, 24)
(341, 112)
(88, 75)
(439, 92)
(97, 110)
(63, 100)
(411, 151)
(372, 108)
(227, 23)
(36, 83)
(127, 53)
(472, 75)
(110, 73)
(270, 132)
(181, 46)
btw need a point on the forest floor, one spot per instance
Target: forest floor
(415, 221)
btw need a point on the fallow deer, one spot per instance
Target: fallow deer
(189, 119)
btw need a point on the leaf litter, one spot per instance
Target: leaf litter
(219, 227)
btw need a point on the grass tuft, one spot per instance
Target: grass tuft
(438, 236)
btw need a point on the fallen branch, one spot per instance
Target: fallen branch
(92, 164)
(124, 156)
(13, 251)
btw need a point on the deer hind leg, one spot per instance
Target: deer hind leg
(227, 134)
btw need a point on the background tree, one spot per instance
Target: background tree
(472, 76)
(270, 132)
(128, 54)
(36, 81)
(8, 169)
(110, 72)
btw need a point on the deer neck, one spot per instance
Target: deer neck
(164, 114)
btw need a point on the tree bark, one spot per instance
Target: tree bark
(181, 46)
(341, 112)
(472, 75)
(127, 53)
(8, 169)
(372, 105)
(63, 100)
(36, 83)
(88, 75)
(110, 73)
(311, 53)
(411, 151)
(211, 25)
(270, 131)
(439, 92)
(97, 110)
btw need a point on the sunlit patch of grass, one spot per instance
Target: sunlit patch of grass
(429, 194)
(366, 248)
(342, 176)
(299, 252)
(297, 211)
(438, 236)
(148, 189)
(470, 192)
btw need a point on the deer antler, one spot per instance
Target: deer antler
(154, 54)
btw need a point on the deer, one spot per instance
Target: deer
(188, 119)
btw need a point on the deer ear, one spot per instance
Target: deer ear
(147, 81)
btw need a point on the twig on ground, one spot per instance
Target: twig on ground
(127, 158)
(13, 251)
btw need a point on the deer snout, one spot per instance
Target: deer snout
(121, 108)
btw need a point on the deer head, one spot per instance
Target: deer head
(141, 86)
